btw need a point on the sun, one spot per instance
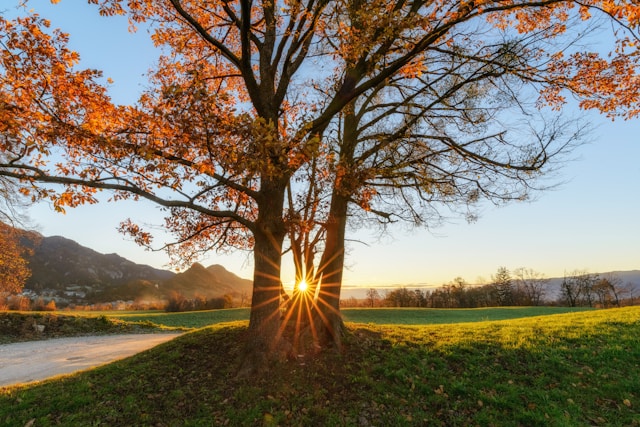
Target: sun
(303, 286)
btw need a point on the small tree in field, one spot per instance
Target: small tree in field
(531, 285)
(503, 285)
(372, 297)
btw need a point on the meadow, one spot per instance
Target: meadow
(396, 316)
(562, 369)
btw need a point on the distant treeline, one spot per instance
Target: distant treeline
(178, 302)
(523, 287)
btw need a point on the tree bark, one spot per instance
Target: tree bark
(264, 322)
(332, 262)
(332, 265)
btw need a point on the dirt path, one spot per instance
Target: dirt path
(37, 360)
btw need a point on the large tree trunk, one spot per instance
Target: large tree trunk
(332, 265)
(332, 262)
(264, 323)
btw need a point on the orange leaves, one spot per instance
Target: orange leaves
(73, 198)
(610, 86)
(585, 13)
(38, 79)
(228, 107)
(626, 11)
(366, 196)
(140, 236)
(525, 18)
(412, 70)
(14, 268)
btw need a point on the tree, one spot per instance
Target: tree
(609, 290)
(459, 292)
(602, 290)
(401, 297)
(578, 288)
(428, 136)
(570, 291)
(231, 116)
(220, 174)
(531, 284)
(503, 284)
(14, 242)
(14, 268)
(372, 297)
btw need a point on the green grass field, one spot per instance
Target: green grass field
(191, 319)
(402, 316)
(573, 369)
(428, 316)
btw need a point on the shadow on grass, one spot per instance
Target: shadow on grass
(569, 370)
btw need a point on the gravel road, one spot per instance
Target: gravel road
(37, 360)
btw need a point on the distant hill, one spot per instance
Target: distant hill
(631, 277)
(63, 268)
(211, 282)
(58, 263)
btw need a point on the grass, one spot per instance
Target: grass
(422, 316)
(571, 369)
(404, 316)
(188, 320)
(18, 326)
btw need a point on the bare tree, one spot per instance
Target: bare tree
(531, 284)
(632, 291)
(610, 290)
(372, 297)
(577, 288)
(570, 290)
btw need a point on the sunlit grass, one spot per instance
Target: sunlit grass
(571, 369)
(429, 316)
(403, 316)
(191, 319)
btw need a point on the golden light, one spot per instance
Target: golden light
(303, 286)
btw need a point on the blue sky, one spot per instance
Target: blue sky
(590, 222)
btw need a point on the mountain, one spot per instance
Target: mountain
(64, 269)
(58, 263)
(210, 282)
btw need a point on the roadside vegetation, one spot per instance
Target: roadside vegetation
(28, 326)
(571, 369)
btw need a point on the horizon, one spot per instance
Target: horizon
(588, 223)
(352, 290)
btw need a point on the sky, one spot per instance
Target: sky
(590, 222)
